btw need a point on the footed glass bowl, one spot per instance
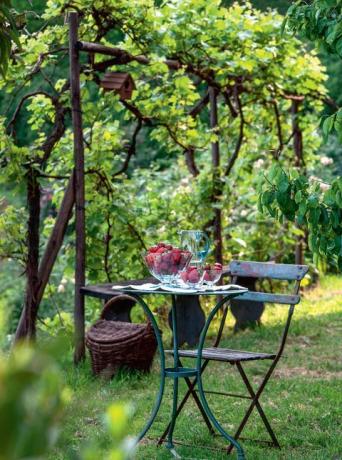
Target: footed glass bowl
(212, 274)
(192, 276)
(166, 262)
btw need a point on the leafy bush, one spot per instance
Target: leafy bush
(33, 396)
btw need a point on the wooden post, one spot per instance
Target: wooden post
(215, 155)
(79, 185)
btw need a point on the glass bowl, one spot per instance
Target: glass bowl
(212, 274)
(165, 262)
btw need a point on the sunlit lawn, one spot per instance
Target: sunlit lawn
(303, 400)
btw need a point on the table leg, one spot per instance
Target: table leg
(170, 444)
(159, 399)
(240, 453)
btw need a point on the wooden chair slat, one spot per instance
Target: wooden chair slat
(265, 297)
(225, 354)
(267, 270)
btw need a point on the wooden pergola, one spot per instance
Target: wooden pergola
(76, 185)
(75, 47)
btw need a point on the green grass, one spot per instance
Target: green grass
(303, 400)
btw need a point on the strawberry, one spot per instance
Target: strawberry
(176, 256)
(184, 276)
(161, 245)
(160, 250)
(207, 276)
(164, 267)
(167, 258)
(149, 260)
(168, 247)
(153, 249)
(193, 276)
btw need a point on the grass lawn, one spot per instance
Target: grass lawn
(303, 400)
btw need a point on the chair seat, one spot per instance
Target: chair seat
(224, 354)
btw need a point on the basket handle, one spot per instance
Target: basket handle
(115, 301)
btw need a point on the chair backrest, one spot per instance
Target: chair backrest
(268, 270)
(286, 272)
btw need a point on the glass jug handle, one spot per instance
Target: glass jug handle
(207, 243)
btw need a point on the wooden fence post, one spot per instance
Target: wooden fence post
(79, 185)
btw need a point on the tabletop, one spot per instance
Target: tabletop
(106, 291)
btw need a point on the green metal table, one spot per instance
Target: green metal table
(177, 371)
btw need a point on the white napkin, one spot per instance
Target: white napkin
(138, 287)
(178, 290)
(226, 287)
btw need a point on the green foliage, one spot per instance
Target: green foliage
(116, 421)
(311, 204)
(317, 207)
(31, 401)
(33, 398)
(241, 48)
(8, 34)
(12, 233)
(333, 124)
(318, 20)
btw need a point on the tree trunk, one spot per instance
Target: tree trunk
(49, 258)
(217, 189)
(27, 323)
(299, 162)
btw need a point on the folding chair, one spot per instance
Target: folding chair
(243, 269)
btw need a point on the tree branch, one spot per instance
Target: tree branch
(199, 106)
(190, 161)
(132, 108)
(10, 126)
(238, 145)
(232, 109)
(131, 150)
(57, 131)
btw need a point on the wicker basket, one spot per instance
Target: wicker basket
(116, 344)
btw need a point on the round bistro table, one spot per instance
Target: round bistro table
(177, 371)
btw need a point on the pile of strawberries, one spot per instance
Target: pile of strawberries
(191, 275)
(164, 259)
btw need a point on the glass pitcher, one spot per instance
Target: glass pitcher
(197, 242)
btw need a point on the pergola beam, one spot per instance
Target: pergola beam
(122, 56)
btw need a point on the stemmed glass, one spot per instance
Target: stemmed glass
(212, 274)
